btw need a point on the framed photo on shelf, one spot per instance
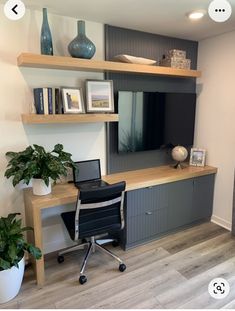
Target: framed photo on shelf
(197, 157)
(99, 96)
(72, 100)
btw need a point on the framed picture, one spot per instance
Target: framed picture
(72, 100)
(99, 96)
(197, 157)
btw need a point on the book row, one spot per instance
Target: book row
(47, 100)
(99, 98)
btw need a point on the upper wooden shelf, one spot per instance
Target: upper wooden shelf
(68, 118)
(69, 63)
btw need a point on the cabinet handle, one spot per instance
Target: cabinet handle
(148, 213)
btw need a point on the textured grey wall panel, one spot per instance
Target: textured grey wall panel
(132, 42)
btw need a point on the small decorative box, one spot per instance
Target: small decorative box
(176, 62)
(176, 53)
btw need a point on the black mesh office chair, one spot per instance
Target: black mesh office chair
(98, 211)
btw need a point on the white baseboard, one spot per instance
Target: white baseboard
(221, 222)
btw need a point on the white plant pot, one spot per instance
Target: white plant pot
(40, 188)
(10, 282)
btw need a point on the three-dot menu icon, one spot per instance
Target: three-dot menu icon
(220, 10)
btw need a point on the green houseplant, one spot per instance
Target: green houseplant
(37, 164)
(12, 248)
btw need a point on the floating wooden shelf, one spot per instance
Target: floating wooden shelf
(68, 118)
(69, 63)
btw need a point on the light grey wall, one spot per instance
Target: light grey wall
(233, 218)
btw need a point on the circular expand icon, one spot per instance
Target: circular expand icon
(218, 288)
(14, 9)
(220, 10)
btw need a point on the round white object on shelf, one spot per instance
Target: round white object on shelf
(179, 154)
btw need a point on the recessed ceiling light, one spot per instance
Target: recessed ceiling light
(196, 15)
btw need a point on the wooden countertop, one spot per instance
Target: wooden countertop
(67, 193)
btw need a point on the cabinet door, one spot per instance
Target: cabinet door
(145, 226)
(146, 213)
(146, 200)
(180, 203)
(202, 197)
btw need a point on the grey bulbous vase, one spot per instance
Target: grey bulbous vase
(81, 46)
(46, 39)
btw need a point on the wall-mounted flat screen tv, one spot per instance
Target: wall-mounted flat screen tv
(154, 120)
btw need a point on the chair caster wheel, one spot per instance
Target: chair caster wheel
(122, 267)
(82, 279)
(115, 243)
(60, 259)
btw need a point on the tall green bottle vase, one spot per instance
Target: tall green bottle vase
(46, 39)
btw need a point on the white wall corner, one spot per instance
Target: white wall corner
(221, 222)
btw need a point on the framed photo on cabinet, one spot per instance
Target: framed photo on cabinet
(197, 157)
(99, 96)
(72, 100)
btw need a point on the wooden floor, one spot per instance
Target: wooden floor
(173, 272)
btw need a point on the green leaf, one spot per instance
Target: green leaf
(35, 251)
(11, 154)
(4, 265)
(26, 229)
(46, 180)
(2, 245)
(28, 151)
(12, 216)
(39, 149)
(12, 252)
(18, 177)
(10, 172)
(58, 148)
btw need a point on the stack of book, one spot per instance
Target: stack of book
(47, 100)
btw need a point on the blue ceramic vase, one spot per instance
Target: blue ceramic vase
(46, 39)
(81, 46)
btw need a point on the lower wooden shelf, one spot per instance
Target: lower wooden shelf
(68, 118)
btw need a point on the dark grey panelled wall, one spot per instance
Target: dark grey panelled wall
(136, 43)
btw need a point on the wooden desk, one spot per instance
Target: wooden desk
(66, 193)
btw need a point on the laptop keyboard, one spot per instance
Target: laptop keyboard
(91, 184)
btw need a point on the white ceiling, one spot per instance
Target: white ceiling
(166, 17)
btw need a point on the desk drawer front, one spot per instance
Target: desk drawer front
(146, 199)
(146, 225)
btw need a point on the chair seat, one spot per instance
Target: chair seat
(89, 225)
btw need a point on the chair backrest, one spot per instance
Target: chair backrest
(99, 210)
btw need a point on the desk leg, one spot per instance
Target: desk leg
(37, 223)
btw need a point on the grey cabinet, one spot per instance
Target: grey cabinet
(180, 203)
(153, 211)
(203, 192)
(146, 213)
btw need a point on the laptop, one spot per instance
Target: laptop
(87, 175)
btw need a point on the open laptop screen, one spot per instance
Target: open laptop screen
(87, 171)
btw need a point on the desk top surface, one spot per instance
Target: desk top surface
(67, 193)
